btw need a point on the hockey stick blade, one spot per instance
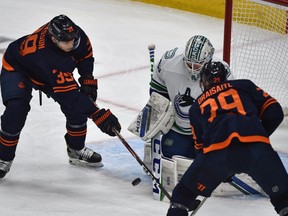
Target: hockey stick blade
(243, 187)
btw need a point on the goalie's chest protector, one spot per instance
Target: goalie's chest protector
(181, 89)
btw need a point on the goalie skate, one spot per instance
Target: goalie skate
(84, 157)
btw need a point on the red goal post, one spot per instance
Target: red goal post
(256, 44)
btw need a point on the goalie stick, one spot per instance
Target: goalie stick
(155, 142)
(242, 186)
(145, 168)
(151, 49)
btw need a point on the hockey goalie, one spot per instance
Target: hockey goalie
(164, 121)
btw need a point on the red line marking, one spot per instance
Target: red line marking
(119, 105)
(116, 74)
(122, 72)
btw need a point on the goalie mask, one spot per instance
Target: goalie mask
(213, 73)
(198, 52)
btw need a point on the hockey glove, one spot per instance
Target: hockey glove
(106, 121)
(89, 86)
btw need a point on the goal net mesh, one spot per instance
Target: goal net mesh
(259, 46)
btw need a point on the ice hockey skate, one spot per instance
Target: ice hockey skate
(4, 167)
(84, 157)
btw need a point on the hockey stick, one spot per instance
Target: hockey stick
(151, 49)
(239, 185)
(242, 186)
(199, 206)
(145, 168)
(40, 97)
(155, 141)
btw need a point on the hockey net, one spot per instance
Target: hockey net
(256, 44)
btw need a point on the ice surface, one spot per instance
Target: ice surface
(41, 182)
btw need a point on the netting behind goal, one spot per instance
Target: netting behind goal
(259, 44)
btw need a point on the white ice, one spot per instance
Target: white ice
(41, 182)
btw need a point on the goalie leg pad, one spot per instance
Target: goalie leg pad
(147, 159)
(182, 165)
(169, 174)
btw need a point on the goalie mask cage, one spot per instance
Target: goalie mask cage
(256, 44)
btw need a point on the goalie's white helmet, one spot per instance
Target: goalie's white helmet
(198, 52)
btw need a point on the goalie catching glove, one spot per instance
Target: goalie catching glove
(89, 86)
(106, 121)
(157, 116)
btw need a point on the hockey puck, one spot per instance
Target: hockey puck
(136, 181)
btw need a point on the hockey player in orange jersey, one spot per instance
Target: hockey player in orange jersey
(45, 60)
(231, 123)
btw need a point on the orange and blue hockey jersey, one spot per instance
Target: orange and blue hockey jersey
(50, 68)
(236, 109)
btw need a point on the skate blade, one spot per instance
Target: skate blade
(81, 163)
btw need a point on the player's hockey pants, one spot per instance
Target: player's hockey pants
(16, 91)
(16, 95)
(258, 160)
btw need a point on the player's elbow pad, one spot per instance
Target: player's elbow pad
(272, 118)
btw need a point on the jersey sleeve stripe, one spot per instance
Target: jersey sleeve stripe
(227, 142)
(87, 56)
(65, 88)
(267, 104)
(6, 65)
